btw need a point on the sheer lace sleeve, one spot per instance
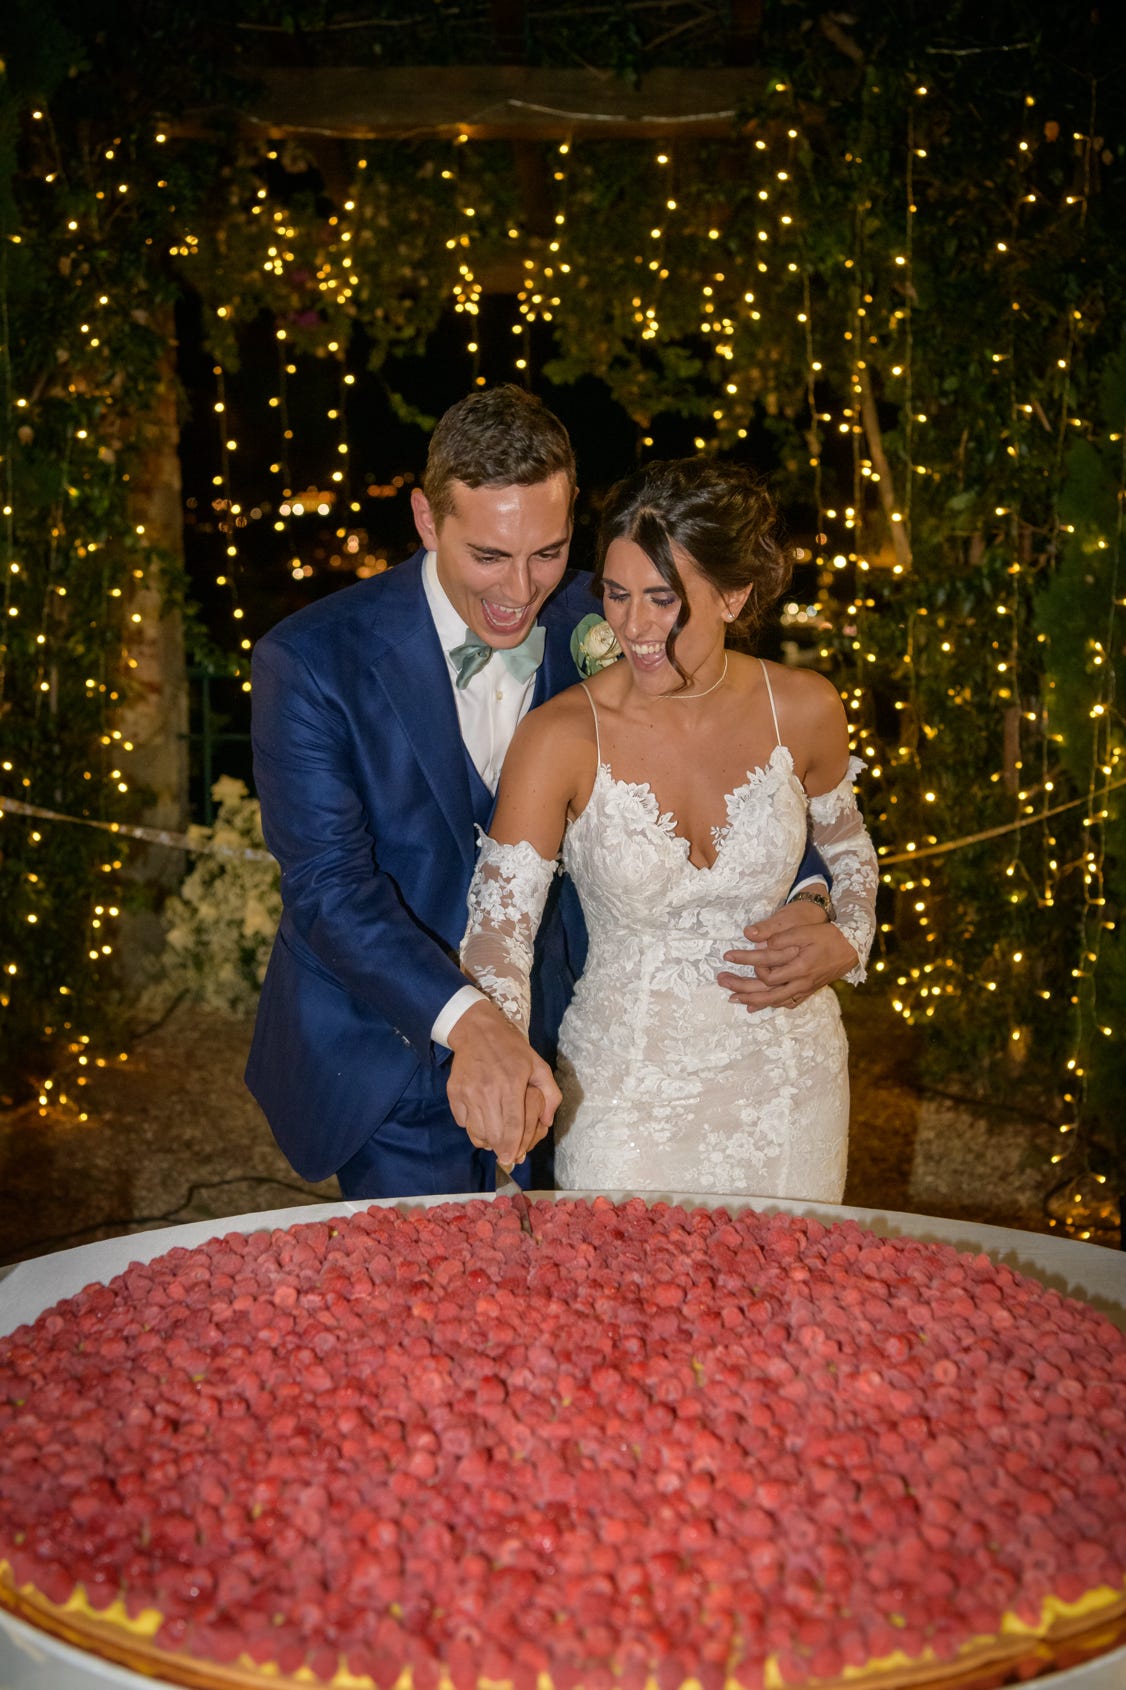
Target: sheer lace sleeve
(506, 898)
(842, 839)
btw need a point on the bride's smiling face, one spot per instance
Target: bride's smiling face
(643, 609)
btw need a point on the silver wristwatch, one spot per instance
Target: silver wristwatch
(821, 899)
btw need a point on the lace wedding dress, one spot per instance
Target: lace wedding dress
(667, 1086)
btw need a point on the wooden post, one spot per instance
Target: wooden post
(154, 717)
(885, 486)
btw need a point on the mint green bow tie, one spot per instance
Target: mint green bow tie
(520, 660)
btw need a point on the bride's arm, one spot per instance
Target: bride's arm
(516, 865)
(539, 779)
(793, 961)
(499, 1089)
(839, 833)
(836, 826)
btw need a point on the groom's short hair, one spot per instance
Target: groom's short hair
(495, 437)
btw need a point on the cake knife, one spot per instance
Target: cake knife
(519, 1201)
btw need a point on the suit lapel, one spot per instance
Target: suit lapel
(413, 673)
(549, 675)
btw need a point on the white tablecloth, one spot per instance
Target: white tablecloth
(30, 1660)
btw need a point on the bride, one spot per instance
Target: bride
(679, 783)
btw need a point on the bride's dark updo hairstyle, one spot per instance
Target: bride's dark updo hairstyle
(721, 515)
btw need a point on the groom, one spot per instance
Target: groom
(381, 718)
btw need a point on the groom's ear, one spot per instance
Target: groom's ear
(424, 519)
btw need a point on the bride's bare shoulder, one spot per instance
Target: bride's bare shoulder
(563, 711)
(575, 705)
(806, 695)
(558, 724)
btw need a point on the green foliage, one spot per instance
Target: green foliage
(80, 299)
(1080, 618)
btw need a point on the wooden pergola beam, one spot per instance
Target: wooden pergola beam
(491, 102)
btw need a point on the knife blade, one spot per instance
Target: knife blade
(519, 1201)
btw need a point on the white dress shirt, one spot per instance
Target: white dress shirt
(489, 708)
(492, 702)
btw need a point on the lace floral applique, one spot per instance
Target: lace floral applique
(827, 806)
(506, 898)
(838, 831)
(622, 793)
(779, 757)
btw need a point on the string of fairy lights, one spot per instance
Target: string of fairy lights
(756, 283)
(36, 604)
(1105, 754)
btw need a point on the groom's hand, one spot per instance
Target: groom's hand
(796, 952)
(499, 1090)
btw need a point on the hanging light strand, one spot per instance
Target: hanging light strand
(8, 562)
(907, 318)
(229, 510)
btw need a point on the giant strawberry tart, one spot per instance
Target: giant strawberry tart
(643, 1446)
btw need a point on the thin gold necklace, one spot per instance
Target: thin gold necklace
(685, 696)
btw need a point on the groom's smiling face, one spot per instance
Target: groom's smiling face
(501, 551)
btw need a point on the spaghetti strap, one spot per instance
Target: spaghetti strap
(770, 695)
(594, 713)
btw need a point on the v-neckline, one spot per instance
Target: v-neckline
(667, 823)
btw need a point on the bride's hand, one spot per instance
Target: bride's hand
(796, 952)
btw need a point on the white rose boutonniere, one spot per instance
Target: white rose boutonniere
(594, 645)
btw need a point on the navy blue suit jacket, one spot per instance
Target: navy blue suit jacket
(366, 804)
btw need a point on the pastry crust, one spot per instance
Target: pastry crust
(1070, 1633)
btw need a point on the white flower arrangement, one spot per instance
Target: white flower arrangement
(594, 645)
(220, 928)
